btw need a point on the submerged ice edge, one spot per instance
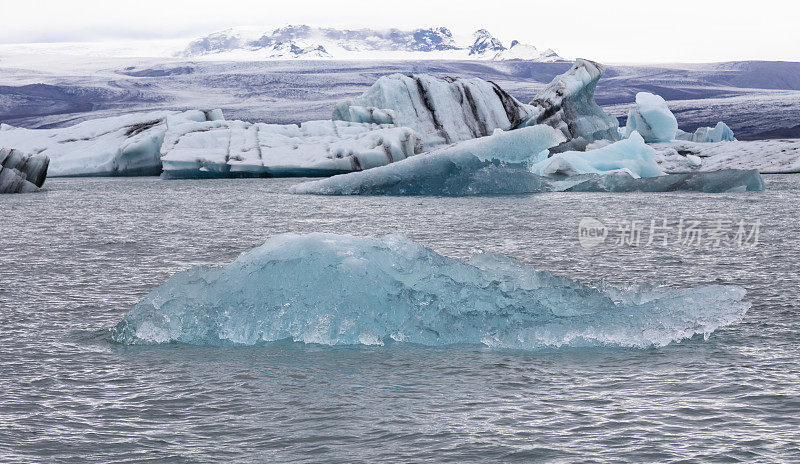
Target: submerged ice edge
(344, 290)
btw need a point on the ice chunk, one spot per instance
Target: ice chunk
(719, 133)
(443, 111)
(652, 118)
(343, 290)
(126, 145)
(631, 155)
(314, 148)
(724, 181)
(567, 104)
(493, 164)
(21, 172)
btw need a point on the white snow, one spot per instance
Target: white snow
(652, 119)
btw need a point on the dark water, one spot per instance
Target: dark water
(77, 257)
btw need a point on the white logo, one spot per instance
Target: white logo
(591, 232)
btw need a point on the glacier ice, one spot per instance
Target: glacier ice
(126, 145)
(631, 155)
(493, 164)
(443, 111)
(652, 119)
(567, 104)
(719, 133)
(314, 148)
(21, 172)
(344, 290)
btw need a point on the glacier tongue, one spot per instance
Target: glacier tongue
(21, 172)
(314, 148)
(443, 111)
(567, 104)
(343, 290)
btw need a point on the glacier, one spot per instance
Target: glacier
(719, 133)
(631, 155)
(127, 145)
(21, 172)
(313, 148)
(443, 111)
(344, 290)
(492, 164)
(652, 119)
(568, 104)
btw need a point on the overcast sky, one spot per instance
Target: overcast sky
(611, 31)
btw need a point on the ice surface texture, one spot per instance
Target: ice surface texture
(443, 111)
(723, 181)
(567, 104)
(126, 145)
(21, 172)
(343, 290)
(652, 119)
(767, 156)
(493, 164)
(242, 149)
(631, 155)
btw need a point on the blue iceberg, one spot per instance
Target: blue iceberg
(344, 290)
(631, 155)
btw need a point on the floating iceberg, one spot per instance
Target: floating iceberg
(21, 172)
(126, 145)
(443, 111)
(314, 148)
(631, 155)
(492, 164)
(724, 181)
(767, 156)
(719, 133)
(567, 104)
(344, 290)
(652, 119)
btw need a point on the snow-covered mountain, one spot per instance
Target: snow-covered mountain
(307, 42)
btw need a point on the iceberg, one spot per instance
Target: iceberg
(314, 148)
(567, 104)
(723, 181)
(719, 133)
(21, 172)
(652, 119)
(126, 145)
(344, 290)
(493, 164)
(777, 156)
(443, 111)
(631, 155)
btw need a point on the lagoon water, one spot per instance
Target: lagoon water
(75, 258)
